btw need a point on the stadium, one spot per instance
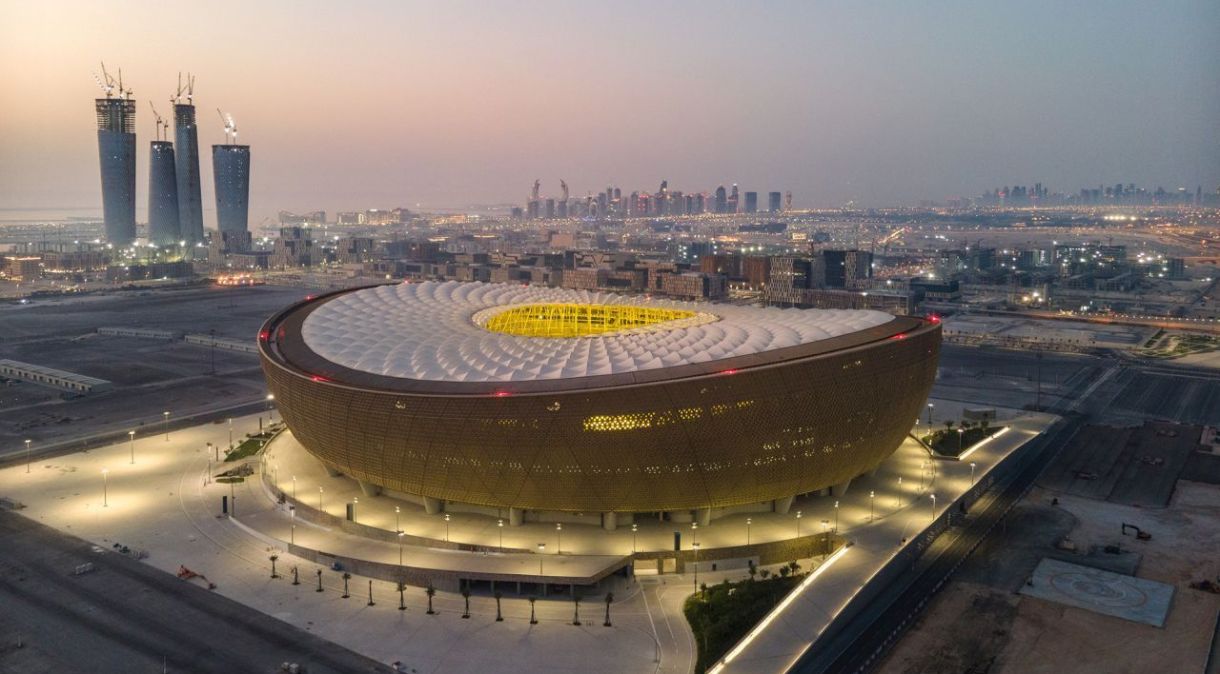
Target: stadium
(523, 399)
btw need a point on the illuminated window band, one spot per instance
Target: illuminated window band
(584, 320)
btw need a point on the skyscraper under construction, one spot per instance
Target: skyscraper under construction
(186, 135)
(231, 168)
(116, 144)
(163, 229)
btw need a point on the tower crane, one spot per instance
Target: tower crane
(160, 122)
(230, 127)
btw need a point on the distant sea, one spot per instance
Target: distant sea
(33, 216)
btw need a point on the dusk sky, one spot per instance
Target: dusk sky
(380, 104)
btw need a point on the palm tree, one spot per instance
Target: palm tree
(752, 569)
(784, 571)
(466, 596)
(430, 591)
(765, 573)
(609, 598)
(499, 616)
(576, 608)
(533, 620)
(794, 566)
(703, 590)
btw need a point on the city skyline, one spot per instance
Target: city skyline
(872, 106)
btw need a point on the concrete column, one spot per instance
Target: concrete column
(609, 521)
(433, 506)
(369, 489)
(840, 490)
(704, 516)
(783, 505)
(680, 516)
(515, 517)
(331, 470)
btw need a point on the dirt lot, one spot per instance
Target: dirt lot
(978, 625)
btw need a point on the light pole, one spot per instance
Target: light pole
(798, 524)
(294, 487)
(541, 556)
(270, 409)
(696, 546)
(871, 495)
(355, 505)
(749, 521)
(105, 487)
(933, 507)
(899, 491)
(635, 528)
(446, 527)
(292, 534)
(401, 533)
(836, 517)
(230, 433)
(930, 406)
(500, 526)
(960, 432)
(397, 526)
(27, 456)
(694, 533)
(165, 414)
(971, 473)
(131, 436)
(559, 538)
(826, 536)
(320, 500)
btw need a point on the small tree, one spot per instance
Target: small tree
(752, 570)
(609, 600)
(703, 590)
(431, 592)
(794, 567)
(466, 596)
(499, 616)
(783, 571)
(765, 573)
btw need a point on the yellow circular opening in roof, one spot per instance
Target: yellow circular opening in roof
(579, 320)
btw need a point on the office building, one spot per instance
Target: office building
(116, 144)
(231, 170)
(163, 228)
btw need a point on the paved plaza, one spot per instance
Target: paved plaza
(164, 504)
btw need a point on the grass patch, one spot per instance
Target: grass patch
(947, 442)
(720, 615)
(230, 480)
(249, 447)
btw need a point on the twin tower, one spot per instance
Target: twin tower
(175, 206)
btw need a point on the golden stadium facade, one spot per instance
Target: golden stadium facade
(544, 399)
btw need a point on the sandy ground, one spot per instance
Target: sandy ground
(978, 624)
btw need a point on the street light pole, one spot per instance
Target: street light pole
(500, 525)
(131, 435)
(105, 487)
(292, 534)
(798, 524)
(899, 491)
(320, 500)
(826, 536)
(559, 538)
(971, 473)
(230, 433)
(355, 505)
(696, 546)
(930, 406)
(749, 521)
(401, 533)
(933, 507)
(27, 456)
(294, 487)
(165, 415)
(541, 556)
(871, 495)
(446, 527)
(397, 525)
(836, 517)
(635, 528)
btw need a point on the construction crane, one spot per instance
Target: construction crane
(188, 89)
(160, 122)
(230, 127)
(106, 82)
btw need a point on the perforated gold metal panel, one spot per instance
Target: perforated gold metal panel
(720, 439)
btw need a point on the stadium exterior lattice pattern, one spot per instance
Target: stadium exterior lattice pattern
(662, 406)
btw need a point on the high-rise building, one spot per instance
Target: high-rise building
(773, 202)
(186, 156)
(231, 169)
(734, 199)
(163, 228)
(751, 202)
(847, 268)
(721, 199)
(116, 144)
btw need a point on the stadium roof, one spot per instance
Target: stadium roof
(450, 332)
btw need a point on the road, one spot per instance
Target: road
(128, 616)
